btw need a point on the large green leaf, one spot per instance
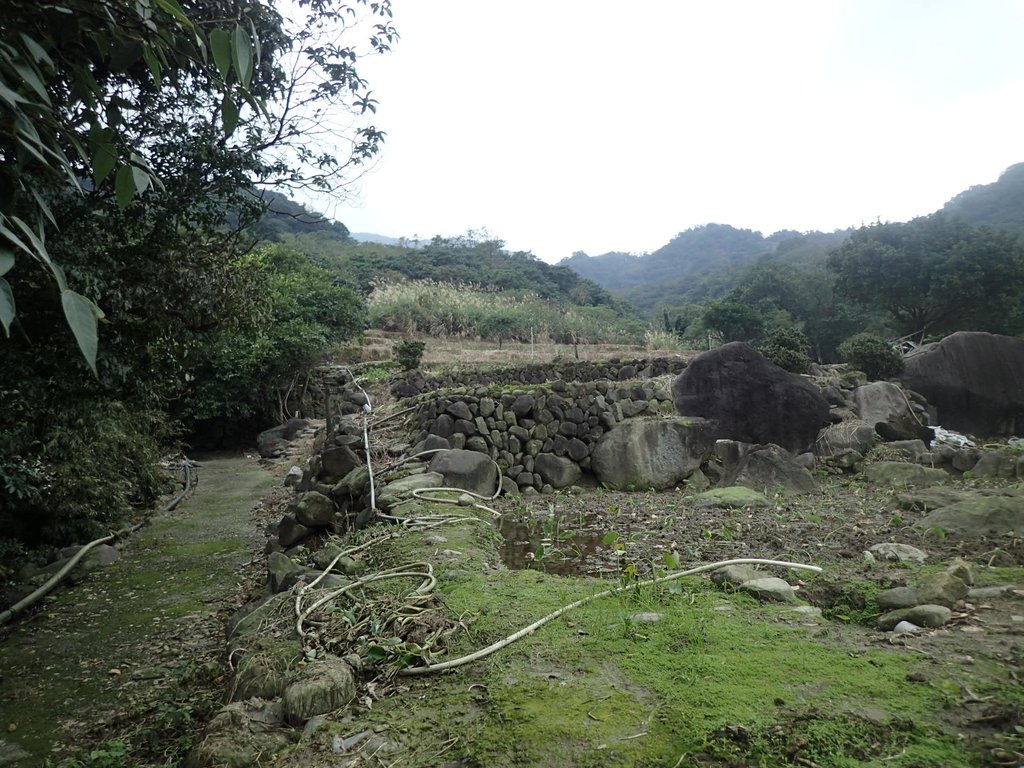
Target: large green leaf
(141, 178)
(242, 50)
(6, 261)
(153, 62)
(103, 160)
(229, 109)
(124, 185)
(220, 43)
(30, 75)
(82, 316)
(6, 305)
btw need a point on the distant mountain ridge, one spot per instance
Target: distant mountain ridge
(999, 205)
(707, 261)
(370, 237)
(697, 263)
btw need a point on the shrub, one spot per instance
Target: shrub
(77, 477)
(409, 353)
(871, 354)
(787, 347)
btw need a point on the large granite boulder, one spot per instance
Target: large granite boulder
(750, 399)
(977, 517)
(838, 439)
(887, 409)
(975, 380)
(765, 468)
(468, 470)
(651, 454)
(557, 471)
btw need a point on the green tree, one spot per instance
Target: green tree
(808, 296)
(196, 327)
(735, 322)
(873, 355)
(498, 326)
(98, 95)
(787, 347)
(243, 368)
(934, 274)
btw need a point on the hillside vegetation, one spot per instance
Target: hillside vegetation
(999, 205)
(958, 269)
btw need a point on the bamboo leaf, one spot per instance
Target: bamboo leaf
(82, 316)
(35, 81)
(220, 43)
(154, 64)
(7, 311)
(11, 97)
(6, 261)
(229, 110)
(38, 52)
(44, 207)
(124, 186)
(171, 7)
(242, 50)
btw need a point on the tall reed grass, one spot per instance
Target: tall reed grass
(449, 310)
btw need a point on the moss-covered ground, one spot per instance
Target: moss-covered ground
(130, 663)
(81, 668)
(718, 680)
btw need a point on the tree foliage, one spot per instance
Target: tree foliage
(197, 328)
(871, 354)
(733, 322)
(100, 96)
(934, 274)
(787, 347)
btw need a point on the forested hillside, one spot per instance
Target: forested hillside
(708, 261)
(999, 205)
(702, 262)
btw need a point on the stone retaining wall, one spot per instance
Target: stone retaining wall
(417, 383)
(535, 434)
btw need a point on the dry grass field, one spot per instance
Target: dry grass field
(378, 345)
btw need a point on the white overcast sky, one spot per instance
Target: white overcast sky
(565, 125)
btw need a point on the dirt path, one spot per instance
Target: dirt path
(138, 644)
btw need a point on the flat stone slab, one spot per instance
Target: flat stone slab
(770, 589)
(902, 553)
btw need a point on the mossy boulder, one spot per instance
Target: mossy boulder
(980, 516)
(281, 571)
(899, 474)
(241, 735)
(315, 510)
(468, 470)
(266, 668)
(322, 687)
(921, 615)
(733, 497)
(276, 610)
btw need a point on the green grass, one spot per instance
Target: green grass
(713, 687)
